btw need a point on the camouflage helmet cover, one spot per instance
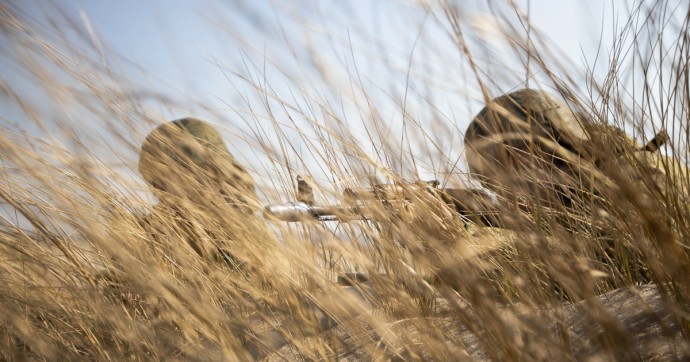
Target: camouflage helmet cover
(190, 147)
(532, 138)
(523, 117)
(528, 144)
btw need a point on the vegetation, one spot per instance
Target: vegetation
(604, 275)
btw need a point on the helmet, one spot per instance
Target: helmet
(528, 133)
(188, 158)
(530, 144)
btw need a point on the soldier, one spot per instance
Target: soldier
(204, 219)
(532, 145)
(534, 149)
(206, 205)
(200, 185)
(567, 173)
(527, 143)
(191, 147)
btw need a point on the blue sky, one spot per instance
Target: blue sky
(195, 54)
(176, 43)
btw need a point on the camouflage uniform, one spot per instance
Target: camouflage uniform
(179, 157)
(536, 138)
(564, 172)
(200, 186)
(532, 147)
(206, 200)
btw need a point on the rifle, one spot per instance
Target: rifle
(473, 205)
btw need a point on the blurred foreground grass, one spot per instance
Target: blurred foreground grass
(611, 284)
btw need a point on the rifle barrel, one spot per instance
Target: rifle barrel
(301, 211)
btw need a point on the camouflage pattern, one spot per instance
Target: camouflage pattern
(206, 197)
(540, 140)
(530, 146)
(187, 158)
(523, 117)
(205, 213)
(653, 172)
(537, 138)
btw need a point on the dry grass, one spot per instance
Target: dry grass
(85, 278)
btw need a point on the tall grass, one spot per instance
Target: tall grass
(91, 269)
